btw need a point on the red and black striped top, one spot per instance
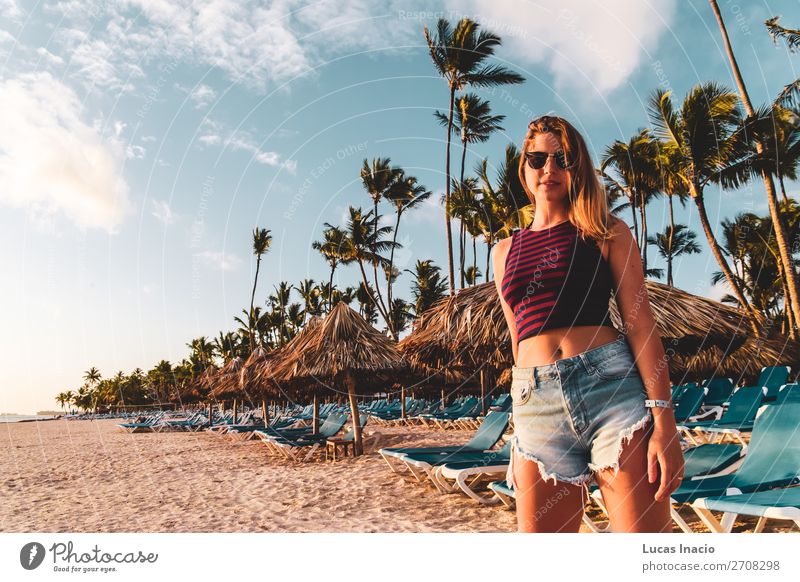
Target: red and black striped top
(554, 279)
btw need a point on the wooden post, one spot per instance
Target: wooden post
(265, 412)
(315, 418)
(442, 398)
(235, 405)
(210, 413)
(483, 392)
(403, 401)
(358, 448)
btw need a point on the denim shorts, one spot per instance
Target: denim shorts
(573, 416)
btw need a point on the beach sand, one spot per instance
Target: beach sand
(86, 476)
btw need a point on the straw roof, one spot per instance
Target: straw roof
(227, 382)
(468, 330)
(341, 342)
(743, 364)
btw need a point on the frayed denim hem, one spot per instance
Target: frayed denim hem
(625, 435)
(544, 473)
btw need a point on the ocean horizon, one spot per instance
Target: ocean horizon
(6, 418)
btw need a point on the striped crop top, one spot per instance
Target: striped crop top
(555, 279)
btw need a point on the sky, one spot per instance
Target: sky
(143, 140)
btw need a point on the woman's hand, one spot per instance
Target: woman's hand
(664, 450)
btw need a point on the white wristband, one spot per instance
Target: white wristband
(658, 403)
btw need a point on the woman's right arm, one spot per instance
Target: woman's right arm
(499, 253)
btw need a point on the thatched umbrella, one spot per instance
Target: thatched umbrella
(469, 329)
(343, 348)
(227, 383)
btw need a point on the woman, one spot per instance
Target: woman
(589, 401)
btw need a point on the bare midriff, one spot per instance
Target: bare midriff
(556, 344)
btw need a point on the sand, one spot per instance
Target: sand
(86, 476)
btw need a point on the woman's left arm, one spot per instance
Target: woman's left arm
(639, 327)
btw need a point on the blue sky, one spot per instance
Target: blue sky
(143, 141)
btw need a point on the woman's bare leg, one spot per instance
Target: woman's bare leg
(628, 496)
(543, 506)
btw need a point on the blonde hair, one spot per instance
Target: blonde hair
(588, 209)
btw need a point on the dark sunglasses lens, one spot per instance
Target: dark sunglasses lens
(536, 160)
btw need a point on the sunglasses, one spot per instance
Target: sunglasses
(537, 160)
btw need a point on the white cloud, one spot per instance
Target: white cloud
(9, 9)
(587, 45)
(290, 166)
(135, 152)
(119, 126)
(163, 212)
(202, 96)
(220, 260)
(52, 162)
(48, 56)
(209, 139)
(254, 43)
(147, 138)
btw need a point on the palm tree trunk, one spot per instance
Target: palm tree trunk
(669, 241)
(375, 273)
(358, 448)
(632, 198)
(330, 288)
(380, 307)
(451, 282)
(488, 257)
(783, 188)
(391, 256)
(253, 299)
(475, 259)
(644, 234)
(754, 319)
(774, 211)
(462, 242)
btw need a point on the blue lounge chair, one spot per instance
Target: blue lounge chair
(772, 460)
(739, 416)
(293, 448)
(781, 504)
(772, 378)
(788, 393)
(488, 434)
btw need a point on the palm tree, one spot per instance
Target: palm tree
(92, 376)
(367, 246)
(471, 275)
(365, 296)
(405, 193)
(377, 179)
(459, 55)
(790, 96)
(635, 164)
(202, 351)
(428, 286)
(225, 346)
(675, 241)
(262, 239)
(473, 123)
(279, 303)
(505, 205)
(702, 141)
(781, 230)
(335, 249)
(310, 294)
(463, 204)
(401, 314)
